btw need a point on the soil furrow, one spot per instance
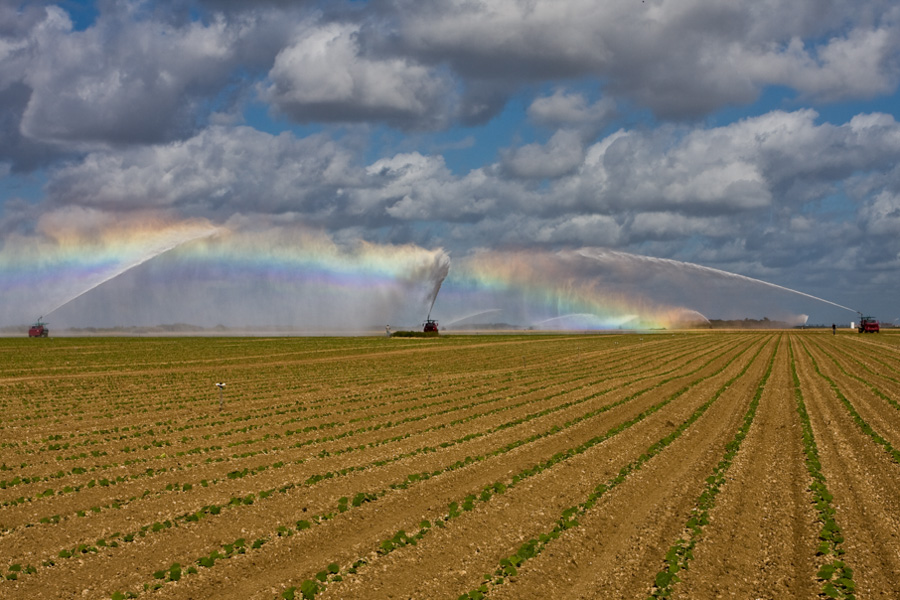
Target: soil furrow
(453, 563)
(167, 545)
(763, 525)
(865, 483)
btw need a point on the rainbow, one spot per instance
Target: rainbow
(282, 269)
(65, 261)
(246, 271)
(562, 290)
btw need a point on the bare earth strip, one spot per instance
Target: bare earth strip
(87, 530)
(616, 550)
(433, 405)
(865, 483)
(294, 562)
(875, 410)
(345, 534)
(454, 559)
(761, 538)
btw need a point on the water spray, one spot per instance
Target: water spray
(433, 299)
(442, 268)
(589, 316)
(439, 273)
(161, 248)
(601, 253)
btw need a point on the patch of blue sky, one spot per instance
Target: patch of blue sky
(779, 97)
(838, 113)
(83, 13)
(263, 117)
(507, 129)
(836, 207)
(463, 148)
(28, 187)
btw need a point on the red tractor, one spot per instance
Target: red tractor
(868, 325)
(39, 329)
(431, 326)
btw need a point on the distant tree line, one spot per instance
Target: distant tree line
(763, 323)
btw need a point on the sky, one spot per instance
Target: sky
(567, 163)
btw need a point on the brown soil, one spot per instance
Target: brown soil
(618, 548)
(763, 523)
(865, 483)
(759, 543)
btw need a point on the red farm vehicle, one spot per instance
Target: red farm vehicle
(868, 325)
(431, 326)
(39, 329)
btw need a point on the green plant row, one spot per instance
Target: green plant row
(867, 382)
(532, 416)
(55, 518)
(681, 552)
(878, 358)
(401, 539)
(245, 472)
(119, 434)
(121, 503)
(289, 432)
(167, 379)
(530, 548)
(151, 472)
(293, 407)
(568, 519)
(857, 418)
(117, 430)
(190, 452)
(834, 574)
(130, 408)
(114, 540)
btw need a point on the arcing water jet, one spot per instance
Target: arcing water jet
(601, 254)
(168, 242)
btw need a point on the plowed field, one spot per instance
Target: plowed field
(686, 465)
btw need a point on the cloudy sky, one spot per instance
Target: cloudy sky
(757, 137)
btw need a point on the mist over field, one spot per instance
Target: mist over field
(308, 283)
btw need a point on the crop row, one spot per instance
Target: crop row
(836, 575)
(149, 472)
(368, 401)
(248, 499)
(568, 518)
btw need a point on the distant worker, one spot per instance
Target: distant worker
(833, 329)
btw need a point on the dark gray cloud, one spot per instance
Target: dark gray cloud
(130, 79)
(679, 59)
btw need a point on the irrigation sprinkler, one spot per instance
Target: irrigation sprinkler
(221, 387)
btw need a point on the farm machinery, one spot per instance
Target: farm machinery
(39, 329)
(867, 324)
